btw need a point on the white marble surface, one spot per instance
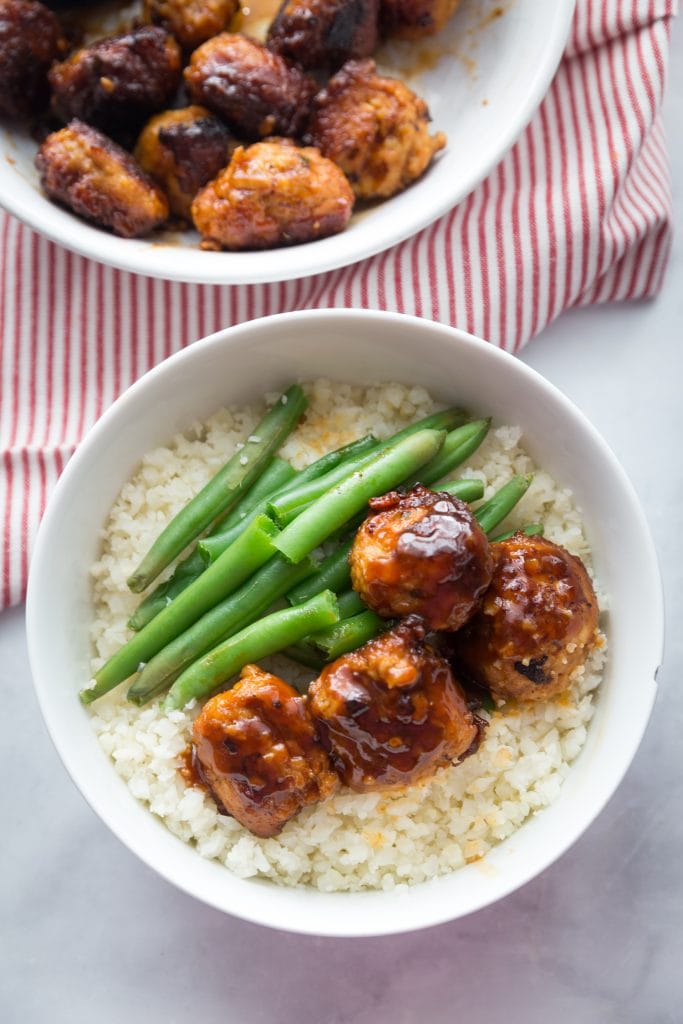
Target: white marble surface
(89, 933)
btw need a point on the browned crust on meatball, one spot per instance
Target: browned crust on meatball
(118, 82)
(413, 19)
(375, 128)
(391, 713)
(273, 193)
(192, 22)
(421, 553)
(99, 181)
(30, 40)
(254, 90)
(537, 624)
(325, 33)
(182, 150)
(258, 751)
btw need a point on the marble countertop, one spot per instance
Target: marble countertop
(91, 934)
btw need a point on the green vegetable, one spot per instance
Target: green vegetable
(249, 552)
(466, 490)
(262, 638)
(334, 508)
(348, 634)
(333, 573)
(224, 490)
(500, 504)
(242, 607)
(306, 654)
(531, 530)
(457, 447)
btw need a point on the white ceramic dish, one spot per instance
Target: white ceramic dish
(489, 77)
(240, 364)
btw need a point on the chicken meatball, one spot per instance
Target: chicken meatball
(117, 83)
(182, 150)
(412, 19)
(537, 623)
(324, 33)
(254, 90)
(257, 749)
(98, 180)
(421, 553)
(391, 713)
(192, 22)
(30, 40)
(273, 193)
(374, 128)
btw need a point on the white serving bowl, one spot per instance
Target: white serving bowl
(483, 77)
(239, 365)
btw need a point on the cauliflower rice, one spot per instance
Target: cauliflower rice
(352, 841)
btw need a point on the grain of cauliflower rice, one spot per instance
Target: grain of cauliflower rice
(352, 841)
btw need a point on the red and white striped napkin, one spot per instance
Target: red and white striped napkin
(578, 212)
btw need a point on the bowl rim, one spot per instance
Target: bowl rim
(440, 912)
(158, 260)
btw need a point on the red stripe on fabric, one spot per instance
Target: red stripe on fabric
(16, 368)
(50, 340)
(533, 232)
(550, 186)
(7, 532)
(66, 382)
(500, 255)
(483, 259)
(415, 273)
(450, 276)
(381, 279)
(466, 265)
(33, 385)
(432, 271)
(519, 262)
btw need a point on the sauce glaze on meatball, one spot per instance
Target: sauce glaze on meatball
(421, 553)
(537, 623)
(254, 90)
(192, 22)
(413, 19)
(83, 169)
(375, 128)
(273, 193)
(324, 33)
(30, 40)
(257, 749)
(391, 712)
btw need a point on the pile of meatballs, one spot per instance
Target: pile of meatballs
(518, 617)
(183, 118)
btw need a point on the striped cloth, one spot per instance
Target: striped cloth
(578, 212)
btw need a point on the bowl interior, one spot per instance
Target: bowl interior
(238, 365)
(482, 77)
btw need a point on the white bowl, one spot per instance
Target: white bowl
(238, 365)
(490, 78)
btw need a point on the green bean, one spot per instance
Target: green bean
(337, 506)
(224, 489)
(466, 490)
(498, 506)
(278, 475)
(457, 447)
(259, 640)
(530, 530)
(244, 606)
(247, 554)
(350, 603)
(305, 654)
(333, 573)
(348, 634)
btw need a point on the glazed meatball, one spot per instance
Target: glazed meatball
(273, 193)
(254, 90)
(391, 713)
(30, 40)
(412, 19)
(324, 33)
(98, 180)
(117, 83)
(537, 623)
(374, 128)
(192, 22)
(257, 749)
(421, 553)
(182, 150)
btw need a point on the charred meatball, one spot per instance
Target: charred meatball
(257, 749)
(30, 40)
(391, 712)
(421, 553)
(374, 128)
(273, 193)
(537, 623)
(412, 19)
(254, 90)
(182, 150)
(324, 33)
(98, 180)
(192, 22)
(117, 83)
